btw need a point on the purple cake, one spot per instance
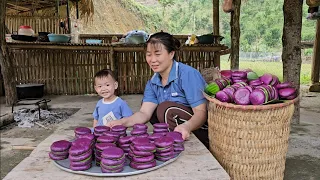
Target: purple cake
(136, 132)
(82, 130)
(101, 129)
(60, 146)
(177, 136)
(112, 153)
(140, 126)
(119, 128)
(106, 139)
(161, 125)
(140, 140)
(140, 166)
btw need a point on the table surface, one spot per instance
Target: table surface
(196, 162)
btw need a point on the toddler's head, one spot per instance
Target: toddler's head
(105, 84)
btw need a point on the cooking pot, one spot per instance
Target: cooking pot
(43, 37)
(30, 91)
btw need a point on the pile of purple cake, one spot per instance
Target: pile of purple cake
(81, 154)
(60, 150)
(113, 160)
(142, 153)
(103, 142)
(140, 130)
(112, 149)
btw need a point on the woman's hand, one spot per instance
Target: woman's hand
(114, 123)
(184, 129)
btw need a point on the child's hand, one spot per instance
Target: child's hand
(184, 130)
(114, 123)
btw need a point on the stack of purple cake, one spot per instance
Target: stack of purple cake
(59, 150)
(102, 143)
(81, 131)
(88, 136)
(99, 130)
(142, 153)
(80, 154)
(122, 130)
(140, 130)
(112, 160)
(178, 146)
(160, 128)
(124, 143)
(99, 149)
(165, 150)
(155, 136)
(113, 134)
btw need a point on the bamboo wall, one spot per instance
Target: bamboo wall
(69, 69)
(106, 38)
(38, 24)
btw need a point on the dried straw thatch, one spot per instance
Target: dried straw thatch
(48, 7)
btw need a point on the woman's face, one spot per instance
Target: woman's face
(158, 58)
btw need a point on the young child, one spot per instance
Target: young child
(110, 107)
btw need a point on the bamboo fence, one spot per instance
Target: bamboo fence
(69, 68)
(38, 23)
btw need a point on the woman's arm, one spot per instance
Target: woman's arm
(195, 122)
(142, 116)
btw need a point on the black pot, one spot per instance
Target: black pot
(43, 37)
(23, 38)
(30, 91)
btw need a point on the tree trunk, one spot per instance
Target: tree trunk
(5, 63)
(235, 35)
(291, 51)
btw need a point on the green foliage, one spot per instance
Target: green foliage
(150, 17)
(261, 21)
(308, 52)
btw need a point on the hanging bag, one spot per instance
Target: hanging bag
(227, 6)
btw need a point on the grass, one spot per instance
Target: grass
(271, 67)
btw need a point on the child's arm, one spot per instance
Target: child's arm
(95, 115)
(95, 122)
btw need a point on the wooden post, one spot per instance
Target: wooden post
(315, 69)
(216, 28)
(5, 61)
(68, 15)
(291, 47)
(235, 35)
(216, 17)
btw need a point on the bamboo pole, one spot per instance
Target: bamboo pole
(315, 69)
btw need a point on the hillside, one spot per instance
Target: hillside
(111, 17)
(261, 21)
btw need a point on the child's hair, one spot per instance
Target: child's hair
(170, 43)
(104, 73)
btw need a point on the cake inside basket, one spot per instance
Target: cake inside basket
(245, 87)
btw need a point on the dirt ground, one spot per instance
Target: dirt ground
(303, 157)
(12, 136)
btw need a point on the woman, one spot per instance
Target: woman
(174, 93)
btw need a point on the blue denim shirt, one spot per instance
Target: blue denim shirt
(185, 85)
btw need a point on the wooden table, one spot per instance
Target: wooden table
(195, 163)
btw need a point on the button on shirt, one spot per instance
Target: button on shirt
(185, 85)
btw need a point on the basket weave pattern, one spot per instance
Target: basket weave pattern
(250, 143)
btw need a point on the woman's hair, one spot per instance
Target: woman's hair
(170, 43)
(104, 73)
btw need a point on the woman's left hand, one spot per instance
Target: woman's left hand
(184, 129)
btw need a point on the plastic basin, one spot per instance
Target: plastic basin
(59, 38)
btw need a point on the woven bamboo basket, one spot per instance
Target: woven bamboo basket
(250, 142)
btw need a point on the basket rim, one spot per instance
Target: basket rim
(250, 107)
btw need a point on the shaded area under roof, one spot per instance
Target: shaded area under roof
(23, 6)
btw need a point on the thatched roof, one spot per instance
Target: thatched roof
(86, 7)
